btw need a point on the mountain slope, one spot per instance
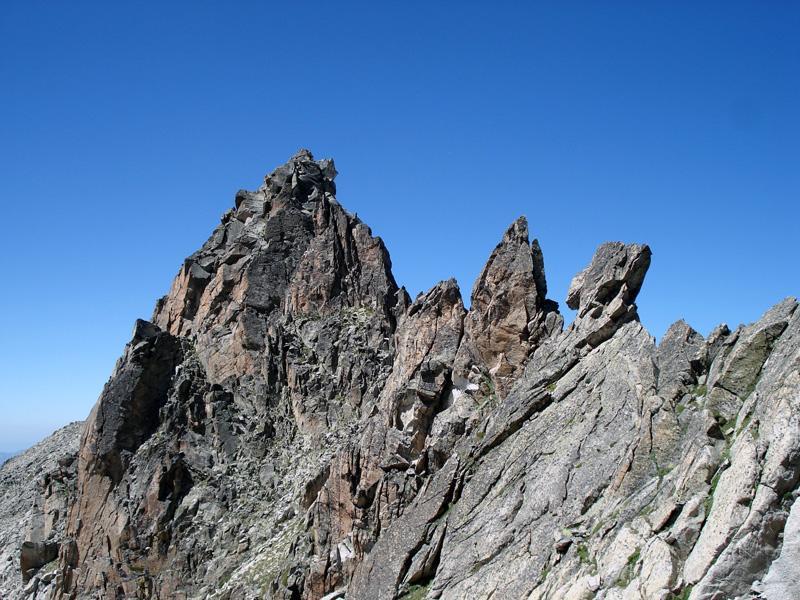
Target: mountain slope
(291, 424)
(36, 487)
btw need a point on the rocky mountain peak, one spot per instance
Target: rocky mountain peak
(292, 425)
(302, 179)
(517, 258)
(509, 313)
(303, 154)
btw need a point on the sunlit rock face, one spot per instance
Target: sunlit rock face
(291, 424)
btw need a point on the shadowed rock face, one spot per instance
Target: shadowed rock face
(292, 425)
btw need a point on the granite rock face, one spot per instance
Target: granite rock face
(291, 424)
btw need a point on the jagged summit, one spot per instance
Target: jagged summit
(301, 181)
(291, 424)
(303, 154)
(509, 312)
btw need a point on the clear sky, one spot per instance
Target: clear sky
(127, 128)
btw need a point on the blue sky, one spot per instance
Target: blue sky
(127, 128)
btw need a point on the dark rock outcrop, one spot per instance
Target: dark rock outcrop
(292, 425)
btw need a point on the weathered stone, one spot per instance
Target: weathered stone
(36, 490)
(387, 565)
(733, 377)
(680, 360)
(34, 555)
(604, 293)
(507, 316)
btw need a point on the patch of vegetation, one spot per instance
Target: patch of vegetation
(629, 571)
(226, 577)
(661, 470)
(750, 388)
(683, 594)
(709, 501)
(700, 390)
(745, 423)
(648, 508)
(544, 574)
(488, 392)
(492, 390)
(551, 387)
(270, 565)
(597, 527)
(585, 558)
(634, 557)
(583, 553)
(416, 592)
(680, 408)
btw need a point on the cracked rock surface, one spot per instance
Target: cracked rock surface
(291, 424)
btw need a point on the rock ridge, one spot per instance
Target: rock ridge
(291, 424)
